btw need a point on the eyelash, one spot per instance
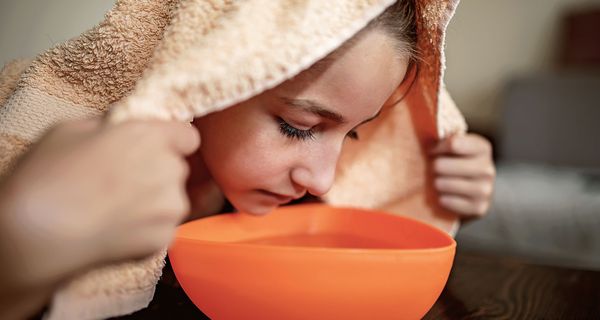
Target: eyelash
(295, 133)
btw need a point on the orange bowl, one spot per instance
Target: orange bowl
(312, 262)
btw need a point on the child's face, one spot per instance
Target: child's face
(285, 142)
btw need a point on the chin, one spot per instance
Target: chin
(260, 211)
(255, 209)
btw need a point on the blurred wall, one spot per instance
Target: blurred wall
(28, 27)
(488, 42)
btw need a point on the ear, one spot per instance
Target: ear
(405, 85)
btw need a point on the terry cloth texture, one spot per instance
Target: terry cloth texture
(180, 59)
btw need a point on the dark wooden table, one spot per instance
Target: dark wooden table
(492, 287)
(480, 287)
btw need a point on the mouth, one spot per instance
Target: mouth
(281, 198)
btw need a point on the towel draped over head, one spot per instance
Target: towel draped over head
(180, 59)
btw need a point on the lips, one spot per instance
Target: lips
(280, 197)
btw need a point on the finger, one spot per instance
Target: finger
(86, 125)
(163, 235)
(171, 205)
(470, 188)
(184, 138)
(66, 133)
(178, 169)
(76, 129)
(145, 240)
(475, 167)
(471, 144)
(464, 206)
(442, 147)
(463, 145)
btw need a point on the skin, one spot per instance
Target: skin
(250, 159)
(465, 174)
(74, 202)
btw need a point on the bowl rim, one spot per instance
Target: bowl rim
(346, 251)
(269, 247)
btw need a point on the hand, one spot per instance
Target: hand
(91, 193)
(465, 174)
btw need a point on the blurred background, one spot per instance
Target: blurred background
(526, 74)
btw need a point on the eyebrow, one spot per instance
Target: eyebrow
(320, 110)
(314, 107)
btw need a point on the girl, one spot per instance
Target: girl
(358, 126)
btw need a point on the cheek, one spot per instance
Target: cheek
(248, 156)
(258, 158)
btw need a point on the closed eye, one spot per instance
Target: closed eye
(294, 133)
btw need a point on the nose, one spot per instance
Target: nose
(315, 171)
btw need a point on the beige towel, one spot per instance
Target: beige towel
(172, 59)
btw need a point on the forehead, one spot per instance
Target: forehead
(356, 80)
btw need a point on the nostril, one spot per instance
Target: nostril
(319, 189)
(300, 195)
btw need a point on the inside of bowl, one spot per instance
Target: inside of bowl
(318, 226)
(325, 240)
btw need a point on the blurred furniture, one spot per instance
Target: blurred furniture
(546, 204)
(552, 119)
(581, 39)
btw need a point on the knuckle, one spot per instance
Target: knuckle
(183, 210)
(481, 208)
(185, 168)
(440, 184)
(486, 144)
(179, 169)
(438, 165)
(180, 205)
(133, 126)
(184, 202)
(140, 131)
(64, 127)
(490, 172)
(483, 146)
(162, 239)
(485, 190)
(455, 143)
